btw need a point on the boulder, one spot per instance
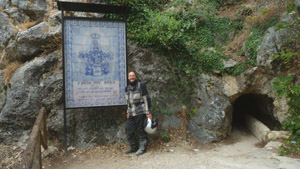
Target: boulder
(213, 120)
(3, 4)
(229, 63)
(31, 42)
(51, 151)
(23, 100)
(7, 30)
(273, 41)
(230, 86)
(36, 9)
(273, 145)
(149, 67)
(17, 16)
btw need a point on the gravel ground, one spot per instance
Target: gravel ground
(240, 151)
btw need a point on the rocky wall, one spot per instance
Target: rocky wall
(38, 82)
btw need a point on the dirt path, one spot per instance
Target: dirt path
(240, 151)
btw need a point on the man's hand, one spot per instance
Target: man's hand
(149, 116)
(127, 115)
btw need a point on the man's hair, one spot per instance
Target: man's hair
(131, 70)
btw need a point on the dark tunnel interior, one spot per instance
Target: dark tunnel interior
(259, 106)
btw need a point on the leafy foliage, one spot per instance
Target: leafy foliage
(4, 88)
(190, 36)
(211, 61)
(237, 69)
(255, 39)
(181, 31)
(251, 45)
(286, 87)
(165, 136)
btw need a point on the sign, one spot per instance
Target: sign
(95, 62)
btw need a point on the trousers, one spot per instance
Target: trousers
(135, 123)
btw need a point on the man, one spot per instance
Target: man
(138, 102)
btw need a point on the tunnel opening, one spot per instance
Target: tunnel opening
(258, 106)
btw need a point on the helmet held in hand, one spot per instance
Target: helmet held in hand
(151, 125)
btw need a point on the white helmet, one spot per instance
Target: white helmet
(151, 125)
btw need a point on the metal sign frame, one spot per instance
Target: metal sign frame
(86, 7)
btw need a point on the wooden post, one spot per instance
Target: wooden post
(32, 158)
(184, 122)
(37, 162)
(44, 129)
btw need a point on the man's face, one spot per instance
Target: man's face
(131, 77)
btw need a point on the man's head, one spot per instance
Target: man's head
(131, 76)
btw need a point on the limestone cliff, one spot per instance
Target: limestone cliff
(30, 36)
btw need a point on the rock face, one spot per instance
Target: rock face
(31, 42)
(33, 8)
(2, 95)
(23, 98)
(39, 82)
(3, 4)
(219, 98)
(273, 41)
(213, 121)
(36, 84)
(149, 67)
(6, 30)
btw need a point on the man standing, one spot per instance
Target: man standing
(139, 103)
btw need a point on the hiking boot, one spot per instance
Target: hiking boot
(142, 148)
(131, 150)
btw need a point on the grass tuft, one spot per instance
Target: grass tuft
(26, 25)
(10, 69)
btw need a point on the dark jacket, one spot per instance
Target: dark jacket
(138, 100)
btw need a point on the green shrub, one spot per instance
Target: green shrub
(237, 69)
(211, 61)
(181, 33)
(252, 44)
(165, 136)
(285, 87)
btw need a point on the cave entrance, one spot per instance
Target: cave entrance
(258, 106)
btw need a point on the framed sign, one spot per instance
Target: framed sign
(95, 62)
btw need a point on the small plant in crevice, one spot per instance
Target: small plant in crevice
(237, 69)
(291, 59)
(4, 88)
(165, 136)
(191, 112)
(250, 47)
